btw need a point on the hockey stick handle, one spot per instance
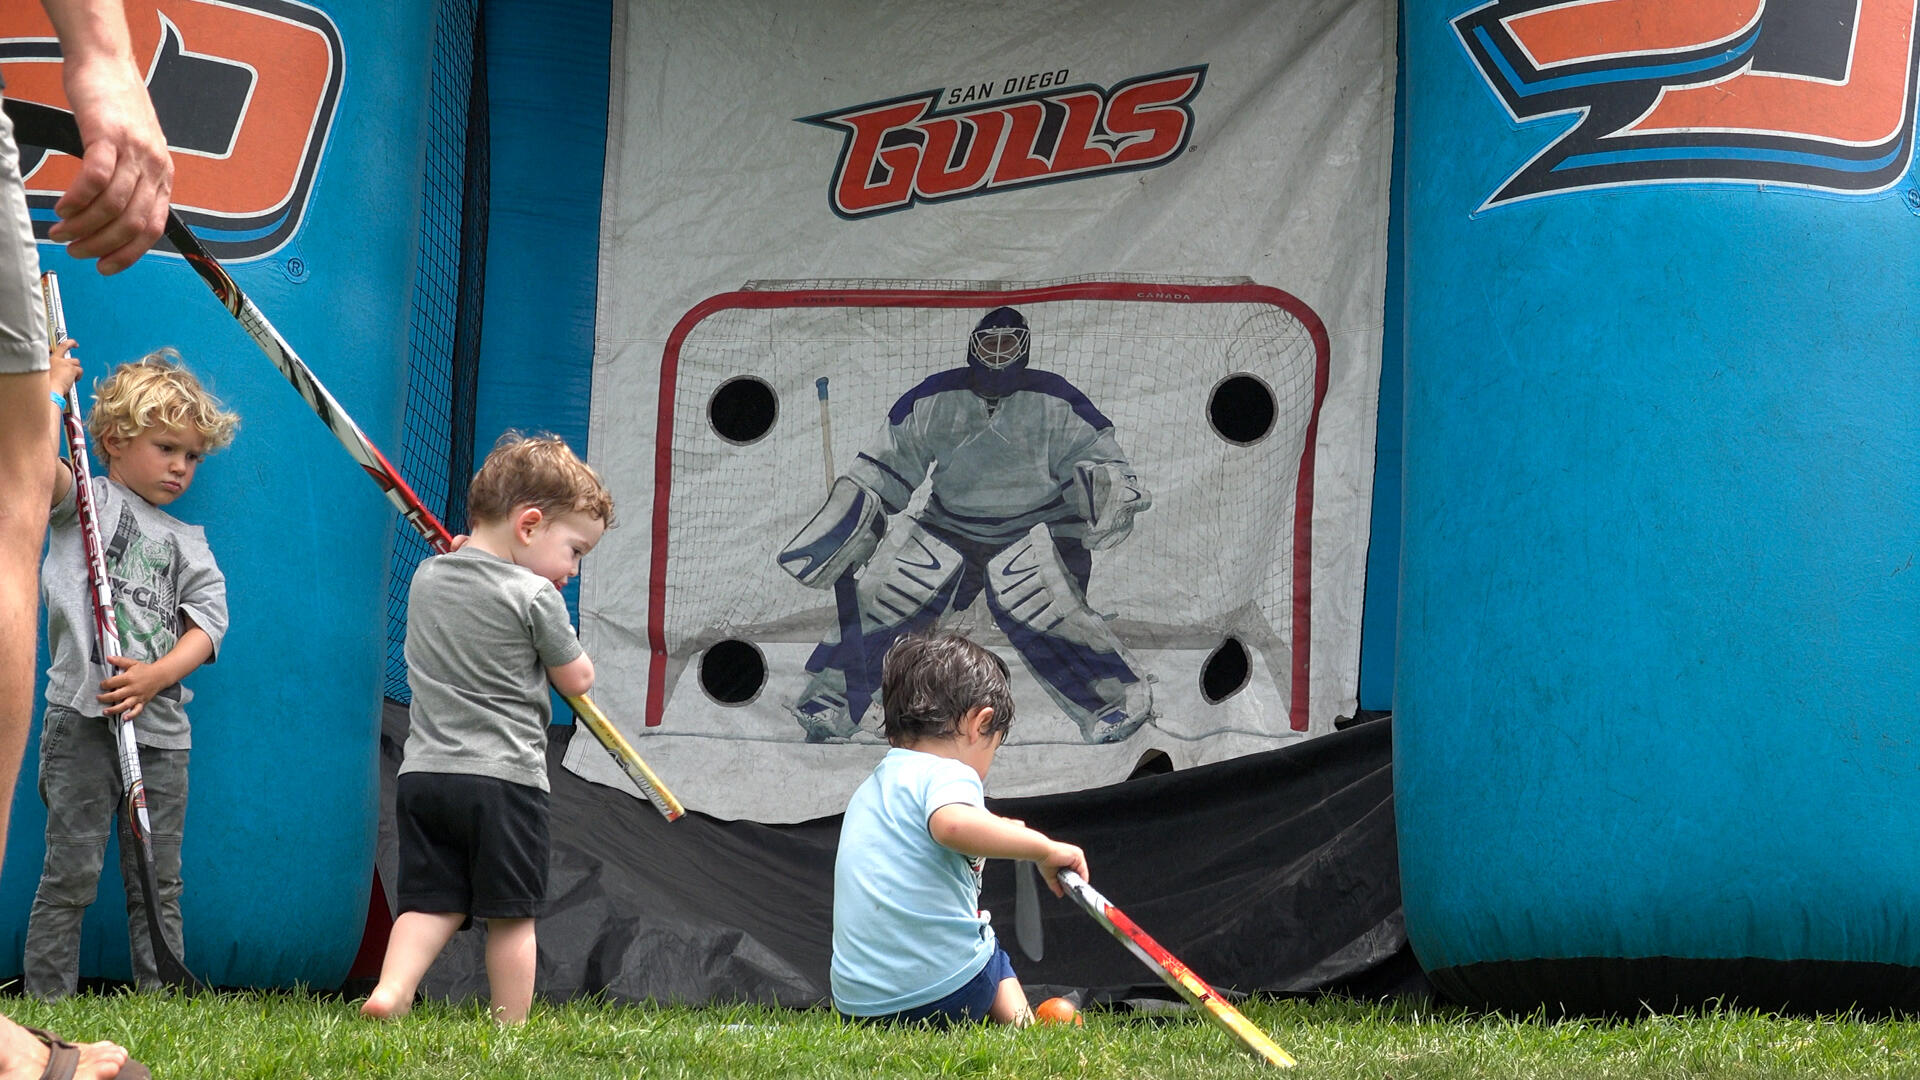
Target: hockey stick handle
(826, 427)
(1174, 973)
(106, 622)
(106, 625)
(846, 590)
(323, 404)
(628, 759)
(388, 478)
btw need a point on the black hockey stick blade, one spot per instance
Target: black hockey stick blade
(166, 961)
(1026, 910)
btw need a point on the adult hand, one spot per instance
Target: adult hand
(117, 207)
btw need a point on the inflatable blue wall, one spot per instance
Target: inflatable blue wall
(1657, 676)
(283, 810)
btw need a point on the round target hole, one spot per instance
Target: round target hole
(732, 672)
(1241, 409)
(743, 409)
(1226, 671)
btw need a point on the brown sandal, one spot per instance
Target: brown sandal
(63, 1058)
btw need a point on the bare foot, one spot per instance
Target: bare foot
(24, 1057)
(384, 1004)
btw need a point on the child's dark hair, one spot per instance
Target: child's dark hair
(930, 680)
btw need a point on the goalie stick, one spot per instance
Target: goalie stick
(54, 129)
(846, 591)
(1173, 972)
(106, 636)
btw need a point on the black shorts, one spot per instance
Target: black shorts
(471, 844)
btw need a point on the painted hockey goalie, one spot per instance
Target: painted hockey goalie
(1025, 481)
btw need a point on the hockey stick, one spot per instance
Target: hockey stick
(356, 443)
(846, 591)
(1173, 972)
(54, 129)
(106, 636)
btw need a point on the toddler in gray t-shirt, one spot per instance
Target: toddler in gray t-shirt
(486, 631)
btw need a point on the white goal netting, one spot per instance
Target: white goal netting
(1212, 386)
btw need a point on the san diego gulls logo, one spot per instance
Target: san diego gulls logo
(1815, 94)
(907, 150)
(244, 89)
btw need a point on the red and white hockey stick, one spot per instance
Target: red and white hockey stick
(106, 636)
(388, 478)
(54, 129)
(1173, 972)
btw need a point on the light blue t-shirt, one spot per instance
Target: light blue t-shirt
(907, 928)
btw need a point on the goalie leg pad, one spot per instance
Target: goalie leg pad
(1066, 644)
(841, 537)
(906, 591)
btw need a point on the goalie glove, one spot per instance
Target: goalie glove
(841, 536)
(1107, 495)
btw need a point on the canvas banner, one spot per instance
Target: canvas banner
(1058, 326)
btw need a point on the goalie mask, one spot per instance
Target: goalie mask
(997, 352)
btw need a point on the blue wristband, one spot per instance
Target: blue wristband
(58, 399)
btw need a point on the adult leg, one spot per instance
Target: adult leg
(418, 937)
(26, 433)
(512, 958)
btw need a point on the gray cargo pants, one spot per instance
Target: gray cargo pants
(80, 783)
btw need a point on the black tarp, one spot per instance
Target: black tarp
(1275, 873)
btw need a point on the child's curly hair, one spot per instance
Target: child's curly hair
(157, 391)
(540, 471)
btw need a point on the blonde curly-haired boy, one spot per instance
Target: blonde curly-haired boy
(152, 423)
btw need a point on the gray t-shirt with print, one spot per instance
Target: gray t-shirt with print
(164, 580)
(481, 632)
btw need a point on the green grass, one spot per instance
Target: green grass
(261, 1035)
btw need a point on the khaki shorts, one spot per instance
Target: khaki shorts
(23, 324)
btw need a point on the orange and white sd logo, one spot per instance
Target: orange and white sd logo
(908, 150)
(245, 91)
(1804, 93)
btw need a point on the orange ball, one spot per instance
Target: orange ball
(1057, 1011)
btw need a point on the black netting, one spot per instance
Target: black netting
(436, 451)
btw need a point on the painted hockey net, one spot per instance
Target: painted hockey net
(1183, 367)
